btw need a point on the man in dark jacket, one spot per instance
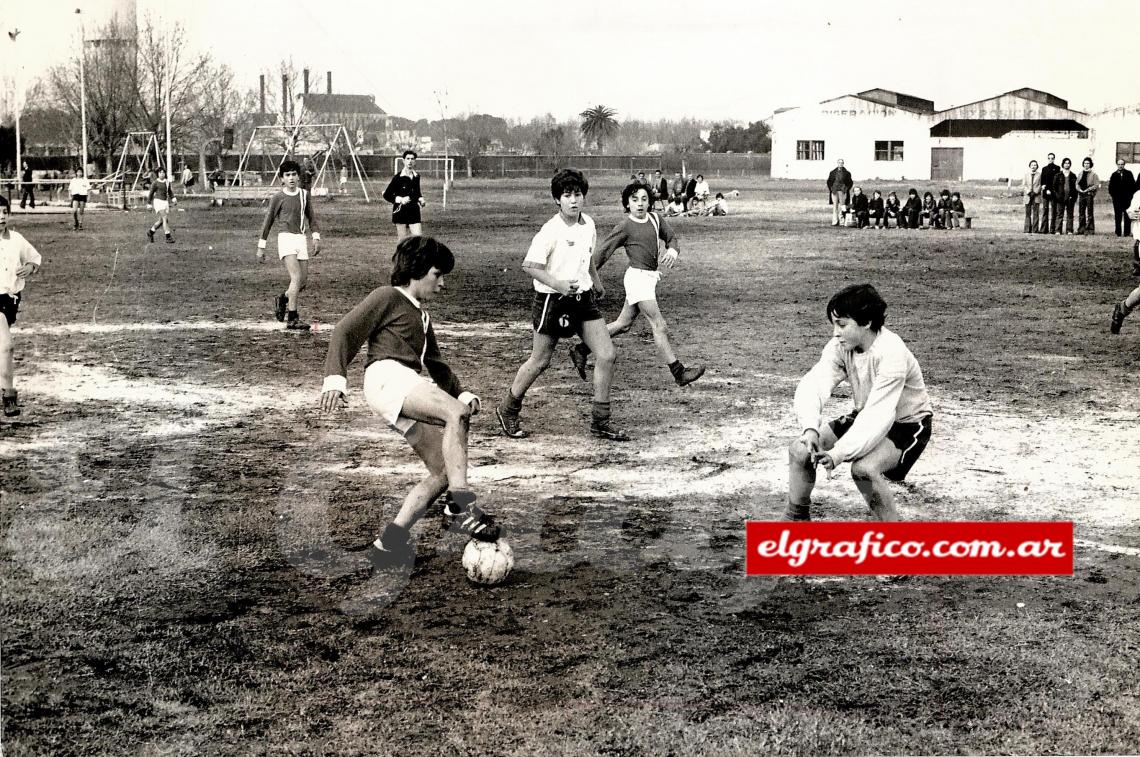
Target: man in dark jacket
(690, 191)
(1064, 198)
(1121, 187)
(1048, 173)
(839, 183)
(29, 189)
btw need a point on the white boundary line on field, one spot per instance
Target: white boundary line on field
(1114, 548)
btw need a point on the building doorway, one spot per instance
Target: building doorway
(946, 163)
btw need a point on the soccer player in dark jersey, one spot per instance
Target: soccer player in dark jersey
(432, 412)
(641, 233)
(294, 207)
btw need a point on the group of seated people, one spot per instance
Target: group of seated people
(685, 197)
(865, 212)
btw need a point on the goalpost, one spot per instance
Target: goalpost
(446, 165)
(292, 136)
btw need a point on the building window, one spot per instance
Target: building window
(888, 150)
(1128, 151)
(809, 149)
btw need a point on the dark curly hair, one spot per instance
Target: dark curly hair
(416, 256)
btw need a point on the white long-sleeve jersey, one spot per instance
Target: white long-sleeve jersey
(886, 385)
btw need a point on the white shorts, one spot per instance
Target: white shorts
(161, 206)
(387, 384)
(292, 244)
(640, 285)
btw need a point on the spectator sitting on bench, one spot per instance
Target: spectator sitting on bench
(893, 210)
(859, 210)
(676, 207)
(957, 210)
(929, 212)
(876, 213)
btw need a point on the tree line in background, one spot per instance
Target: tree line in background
(126, 85)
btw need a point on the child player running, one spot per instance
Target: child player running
(18, 260)
(294, 207)
(639, 233)
(432, 412)
(560, 260)
(889, 426)
(160, 197)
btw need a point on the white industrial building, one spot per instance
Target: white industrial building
(888, 135)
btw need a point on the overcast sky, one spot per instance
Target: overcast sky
(734, 60)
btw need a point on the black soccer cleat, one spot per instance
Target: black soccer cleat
(603, 429)
(11, 407)
(297, 325)
(1114, 327)
(578, 358)
(689, 375)
(468, 521)
(797, 513)
(397, 557)
(169, 239)
(150, 235)
(510, 424)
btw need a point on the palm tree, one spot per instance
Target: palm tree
(598, 124)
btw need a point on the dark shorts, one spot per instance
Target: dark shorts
(406, 214)
(909, 438)
(9, 304)
(79, 198)
(562, 316)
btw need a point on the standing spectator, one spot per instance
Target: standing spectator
(28, 190)
(660, 189)
(1121, 187)
(1048, 174)
(701, 191)
(678, 193)
(187, 179)
(342, 179)
(839, 184)
(1031, 193)
(911, 215)
(403, 192)
(1087, 185)
(1064, 197)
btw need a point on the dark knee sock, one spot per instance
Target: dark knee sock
(393, 537)
(676, 368)
(512, 403)
(600, 411)
(583, 348)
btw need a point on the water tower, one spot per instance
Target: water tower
(109, 22)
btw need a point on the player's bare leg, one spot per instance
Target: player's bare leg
(867, 472)
(624, 320)
(402, 231)
(427, 441)
(682, 375)
(415, 229)
(298, 276)
(802, 473)
(507, 411)
(597, 338)
(7, 369)
(430, 404)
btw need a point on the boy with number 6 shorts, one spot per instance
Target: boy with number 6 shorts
(640, 233)
(566, 281)
(889, 426)
(160, 197)
(18, 260)
(294, 207)
(432, 412)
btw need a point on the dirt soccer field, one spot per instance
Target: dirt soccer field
(181, 572)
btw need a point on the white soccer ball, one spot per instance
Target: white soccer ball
(488, 562)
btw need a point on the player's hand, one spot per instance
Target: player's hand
(316, 247)
(825, 459)
(27, 269)
(260, 255)
(422, 202)
(669, 259)
(149, 206)
(332, 401)
(571, 287)
(474, 404)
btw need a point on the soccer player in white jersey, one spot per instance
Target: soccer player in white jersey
(294, 207)
(79, 187)
(18, 261)
(889, 426)
(160, 197)
(566, 284)
(641, 233)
